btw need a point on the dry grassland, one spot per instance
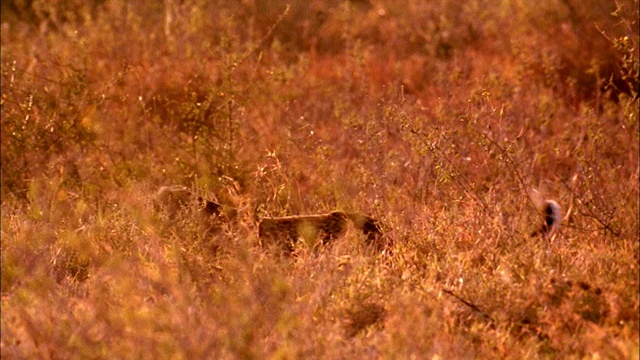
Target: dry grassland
(448, 122)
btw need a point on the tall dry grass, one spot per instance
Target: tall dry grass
(437, 118)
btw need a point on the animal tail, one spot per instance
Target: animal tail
(552, 216)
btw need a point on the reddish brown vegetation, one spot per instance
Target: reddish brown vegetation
(436, 118)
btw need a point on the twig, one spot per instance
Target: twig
(263, 39)
(606, 225)
(471, 305)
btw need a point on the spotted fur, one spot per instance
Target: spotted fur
(326, 227)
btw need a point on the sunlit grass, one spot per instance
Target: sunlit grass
(438, 120)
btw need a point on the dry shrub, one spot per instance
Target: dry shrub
(583, 49)
(438, 117)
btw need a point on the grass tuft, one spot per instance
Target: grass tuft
(449, 123)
